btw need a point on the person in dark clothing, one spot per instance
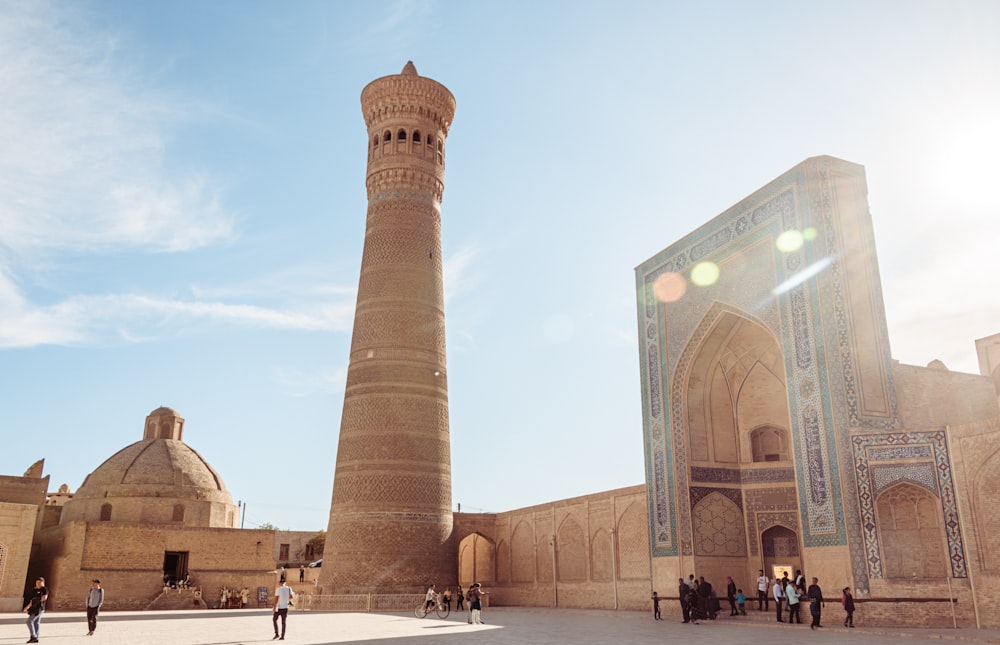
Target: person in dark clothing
(35, 608)
(731, 596)
(847, 600)
(682, 594)
(656, 607)
(816, 603)
(705, 598)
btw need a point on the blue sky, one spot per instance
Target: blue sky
(182, 210)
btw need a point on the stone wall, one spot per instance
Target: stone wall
(128, 559)
(585, 552)
(20, 501)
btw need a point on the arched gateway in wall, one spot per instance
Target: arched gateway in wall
(737, 441)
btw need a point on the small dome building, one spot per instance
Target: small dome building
(158, 480)
(155, 515)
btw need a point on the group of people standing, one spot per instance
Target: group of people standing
(699, 600)
(474, 597)
(789, 595)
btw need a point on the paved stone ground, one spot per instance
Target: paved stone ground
(507, 626)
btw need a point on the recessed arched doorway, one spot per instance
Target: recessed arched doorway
(780, 550)
(476, 560)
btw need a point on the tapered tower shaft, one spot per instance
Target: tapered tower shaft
(391, 519)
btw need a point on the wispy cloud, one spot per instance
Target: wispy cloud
(81, 165)
(402, 23)
(297, 383)
(94, 320)
(459, 274)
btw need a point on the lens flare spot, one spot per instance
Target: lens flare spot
(705, 274)
(789, 241)
(669, 287)
(809, 234)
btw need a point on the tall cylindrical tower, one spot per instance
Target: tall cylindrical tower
(390, 519)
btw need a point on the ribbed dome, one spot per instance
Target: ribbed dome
(159, 480)
(155, 468)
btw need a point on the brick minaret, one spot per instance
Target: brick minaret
(390, 519)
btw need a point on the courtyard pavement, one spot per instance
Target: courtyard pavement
(507, 626)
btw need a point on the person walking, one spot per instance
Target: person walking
(779, 595)
(35, 608)
(95, 598)
(792, 594)
(762, 596)
(816, 603)
(731, 596)
(460, 599)
(282, 599)
(656, 607)
(847, 600)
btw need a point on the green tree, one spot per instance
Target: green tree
(317, 542)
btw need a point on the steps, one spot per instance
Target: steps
(174, 599)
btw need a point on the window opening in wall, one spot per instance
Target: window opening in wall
(387, 137)
(105, 512)
(401, 135)
(375, 141)
(768, 444)
(283, 552)
(416, 136)
(178, 513)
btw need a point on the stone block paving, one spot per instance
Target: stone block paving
(506, 626)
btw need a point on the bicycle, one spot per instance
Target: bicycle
(441, 610)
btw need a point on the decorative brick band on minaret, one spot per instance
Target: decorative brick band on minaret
(391, 519)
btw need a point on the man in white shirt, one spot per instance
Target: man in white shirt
(762, 600)
(282, 599)
(779, 594)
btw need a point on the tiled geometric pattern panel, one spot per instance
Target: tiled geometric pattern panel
(718, 527)
(571, 552)
(885, 475)
(767, 508)
(870, 475)
(779, 542)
